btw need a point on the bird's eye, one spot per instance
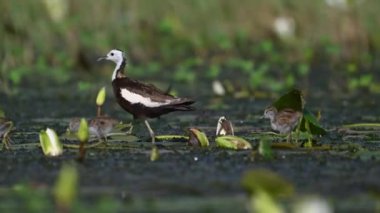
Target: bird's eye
(111, 54)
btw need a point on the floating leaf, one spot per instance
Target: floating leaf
(232, 142)
(83, 132)
(255, 181)
(101, 97)
(154, 154)
(198, 138)
(172, 137)
(292, 100)
(65, 188)
(309, 123)
(51, 146)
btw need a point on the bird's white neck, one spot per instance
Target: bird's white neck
(118, 68)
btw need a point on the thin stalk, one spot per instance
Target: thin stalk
(362, 125)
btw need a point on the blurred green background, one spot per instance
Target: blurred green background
(260, 44)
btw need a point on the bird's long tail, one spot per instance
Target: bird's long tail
(183, 105)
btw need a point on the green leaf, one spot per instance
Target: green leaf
(312, 124)
(292, 100)
(255, 181)
(232, 142)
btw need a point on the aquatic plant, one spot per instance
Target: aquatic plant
(232, 142)
(83, 136)
(198, 138)
(224, 127)
(50, 143)
(100, 98)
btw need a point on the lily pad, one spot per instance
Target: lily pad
(232, 142)
(292, 100)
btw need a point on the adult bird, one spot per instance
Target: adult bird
(143, 101)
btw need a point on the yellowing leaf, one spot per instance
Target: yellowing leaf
(232, 142)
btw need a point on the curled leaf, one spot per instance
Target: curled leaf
(50, 143)
(224, 127)
(232, 142)
(101, 97)
(198, 138)
(83, 132)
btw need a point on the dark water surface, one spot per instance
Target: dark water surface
(185, 177)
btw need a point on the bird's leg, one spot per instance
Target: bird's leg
(150, 131)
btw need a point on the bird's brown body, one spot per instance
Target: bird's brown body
(283, 121)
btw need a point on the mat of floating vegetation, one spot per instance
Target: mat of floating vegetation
(342, 166)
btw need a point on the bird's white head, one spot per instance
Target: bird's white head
(114, 55)
(119, 58)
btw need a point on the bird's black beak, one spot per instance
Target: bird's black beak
(102, 58)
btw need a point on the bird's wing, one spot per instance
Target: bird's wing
(136, 92)
(289, 116)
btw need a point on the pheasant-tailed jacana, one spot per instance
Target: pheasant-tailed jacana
(143, 101)
(283, 121)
